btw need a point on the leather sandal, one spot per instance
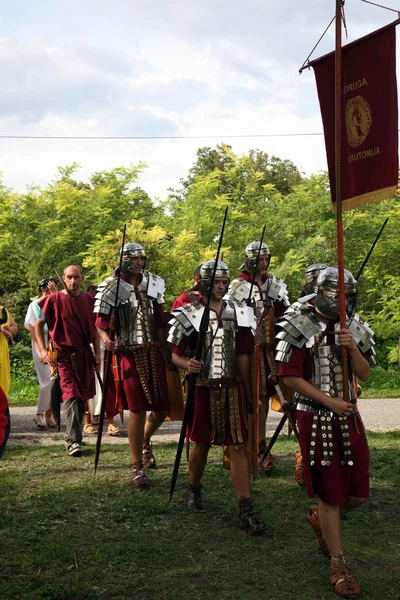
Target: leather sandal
(40, 421)
(148, 458)
(313, 519)
(139, 478)
(248, 521)
(298, 469)
(113, 429)
(88, 429)
(342, 580)
(268, 463)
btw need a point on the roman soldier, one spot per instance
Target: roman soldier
(332, 436)
(269, 301)
(223, 388)
(140, 349)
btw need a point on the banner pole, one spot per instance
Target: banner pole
(338, 182)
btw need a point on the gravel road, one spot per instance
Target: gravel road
(378, 415)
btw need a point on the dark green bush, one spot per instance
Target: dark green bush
(21, 363)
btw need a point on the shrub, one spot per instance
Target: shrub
(21, 363)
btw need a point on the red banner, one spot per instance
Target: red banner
(369, 117)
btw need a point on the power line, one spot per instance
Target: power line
(151, 137)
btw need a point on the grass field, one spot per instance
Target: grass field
(67, 534)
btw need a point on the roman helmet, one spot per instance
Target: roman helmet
(206, 272)
(131, 250)
(251, 255)
(327, 291)
(310, 277)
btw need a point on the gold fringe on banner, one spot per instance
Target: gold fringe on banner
(368, 198)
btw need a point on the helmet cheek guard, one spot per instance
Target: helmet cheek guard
(251, 263)
(129, 251)
(203, 286)
(206, 272)
(351, 306)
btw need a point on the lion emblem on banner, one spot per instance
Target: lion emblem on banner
(358, 120)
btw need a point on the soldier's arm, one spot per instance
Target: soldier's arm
(39, 333)
(309, 390)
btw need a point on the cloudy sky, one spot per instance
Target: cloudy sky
(161, 68)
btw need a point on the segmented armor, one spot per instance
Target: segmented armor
(263, 297)
(300, 327)
(135, 307)
(219, 355)
(220, 372)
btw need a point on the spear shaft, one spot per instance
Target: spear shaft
(107, 365)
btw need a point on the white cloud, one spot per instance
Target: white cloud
(87, 67)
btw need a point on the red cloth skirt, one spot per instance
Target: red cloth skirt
(133, 395)
(335, 483)
(200, 421)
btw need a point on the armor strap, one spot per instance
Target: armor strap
(145, 357)
(217, 414)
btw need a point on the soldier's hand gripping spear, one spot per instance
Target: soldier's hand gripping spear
(193, 376)
(107, 366)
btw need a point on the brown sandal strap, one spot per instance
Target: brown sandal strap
(298, 469)
(342, 580)
(313, 519)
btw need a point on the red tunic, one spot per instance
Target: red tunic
(75, 366)
(200, 420)
(133, 395)
(335, 483)
(183, 299)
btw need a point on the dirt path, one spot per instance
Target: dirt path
(378, 415)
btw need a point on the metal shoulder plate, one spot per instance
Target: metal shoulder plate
(296, 328)
(238, 291)
(363, 337)
(244, 315)
(276, 289)
(105, 295)
(184, 321)
(155, 286)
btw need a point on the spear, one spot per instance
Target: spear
(107, 366)
(371, 250)
(193, 376)
(253, 416)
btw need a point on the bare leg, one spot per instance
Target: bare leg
(240, 470)
(197, 462)
(351, 504)
(329, 518)
(154, 420)
(136, 434)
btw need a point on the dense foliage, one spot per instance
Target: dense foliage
(69, 221)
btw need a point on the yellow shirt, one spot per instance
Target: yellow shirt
(4, 355)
